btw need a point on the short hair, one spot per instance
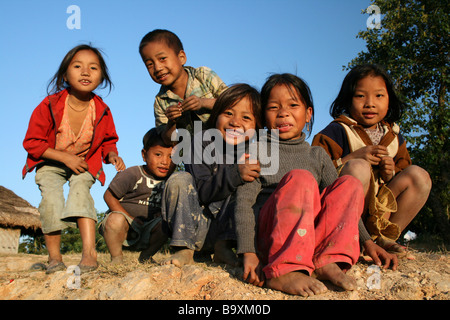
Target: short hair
(343, 101)
(152, 138)
(232, 95)
(170, 38)
(288, 80)
(57, 82)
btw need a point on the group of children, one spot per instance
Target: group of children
(289, 228)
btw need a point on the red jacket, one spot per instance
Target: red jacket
(45, 121)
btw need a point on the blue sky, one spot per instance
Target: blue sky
(242, 40)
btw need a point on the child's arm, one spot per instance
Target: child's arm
(196, 103)
(117, 161)
(115, 205)
(73, 162)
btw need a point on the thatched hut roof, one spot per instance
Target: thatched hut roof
(16, 212)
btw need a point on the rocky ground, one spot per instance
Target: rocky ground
(425, 276)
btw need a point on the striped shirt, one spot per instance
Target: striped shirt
(203, 83)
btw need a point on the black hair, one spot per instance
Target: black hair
(343, 101)
(233, 95)
(288, 80)
(57, 82)
(170, 38)
(152, 138)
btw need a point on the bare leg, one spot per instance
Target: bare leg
(157, 239)
(297, 283)
(115, 233)
(411, 188)
(333, 273)
(87, 232)
(53, 244)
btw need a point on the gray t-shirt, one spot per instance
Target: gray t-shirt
(138, 192)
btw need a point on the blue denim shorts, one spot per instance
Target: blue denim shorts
(55, 212)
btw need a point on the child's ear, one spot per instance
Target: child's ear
(182, 57)
(143, 152)
(309, 113)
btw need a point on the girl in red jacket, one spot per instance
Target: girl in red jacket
(70, 132)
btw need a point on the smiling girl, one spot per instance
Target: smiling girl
(198, 204)
(365, 137)
(69, 134)
(300, 220)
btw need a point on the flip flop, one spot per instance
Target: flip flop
(60, 266)
(85, 269)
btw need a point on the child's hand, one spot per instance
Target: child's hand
(371, 154)
(75, 163)
(253, 269)
(248, 171)
(117, 161)
(192, 103)
(378, 254)
(387, 168)
(173, 112)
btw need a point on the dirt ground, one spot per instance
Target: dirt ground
(425, 276)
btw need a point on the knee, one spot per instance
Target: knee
(115, 222)
(358, 168)
(352, 184)
(300, 176)
(179, 180)
(419, 177)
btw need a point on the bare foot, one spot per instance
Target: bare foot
(333, 273)
(223, 253)
(180, 258)
(89, 258)
(117, 260)
(297, 283)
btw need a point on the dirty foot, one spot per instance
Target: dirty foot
(297, 283)
(223, 253)
(180, 258)
(333, 273)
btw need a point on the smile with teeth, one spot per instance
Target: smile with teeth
(233, 133)
(85, 82)
(284, 127)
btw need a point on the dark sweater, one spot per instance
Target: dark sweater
(216, 177)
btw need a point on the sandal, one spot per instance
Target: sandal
(85, 269)
(60, 266)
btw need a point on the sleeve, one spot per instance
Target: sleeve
(123, 182)
(110, 138)
(246, 216)
(333, 140)
(402, 159)
(160, 116)
(39, 127)
(329, 173)
(214, 83)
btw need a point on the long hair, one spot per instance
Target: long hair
(57, 82)
(343, 102)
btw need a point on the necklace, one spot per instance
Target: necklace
(71, 107)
